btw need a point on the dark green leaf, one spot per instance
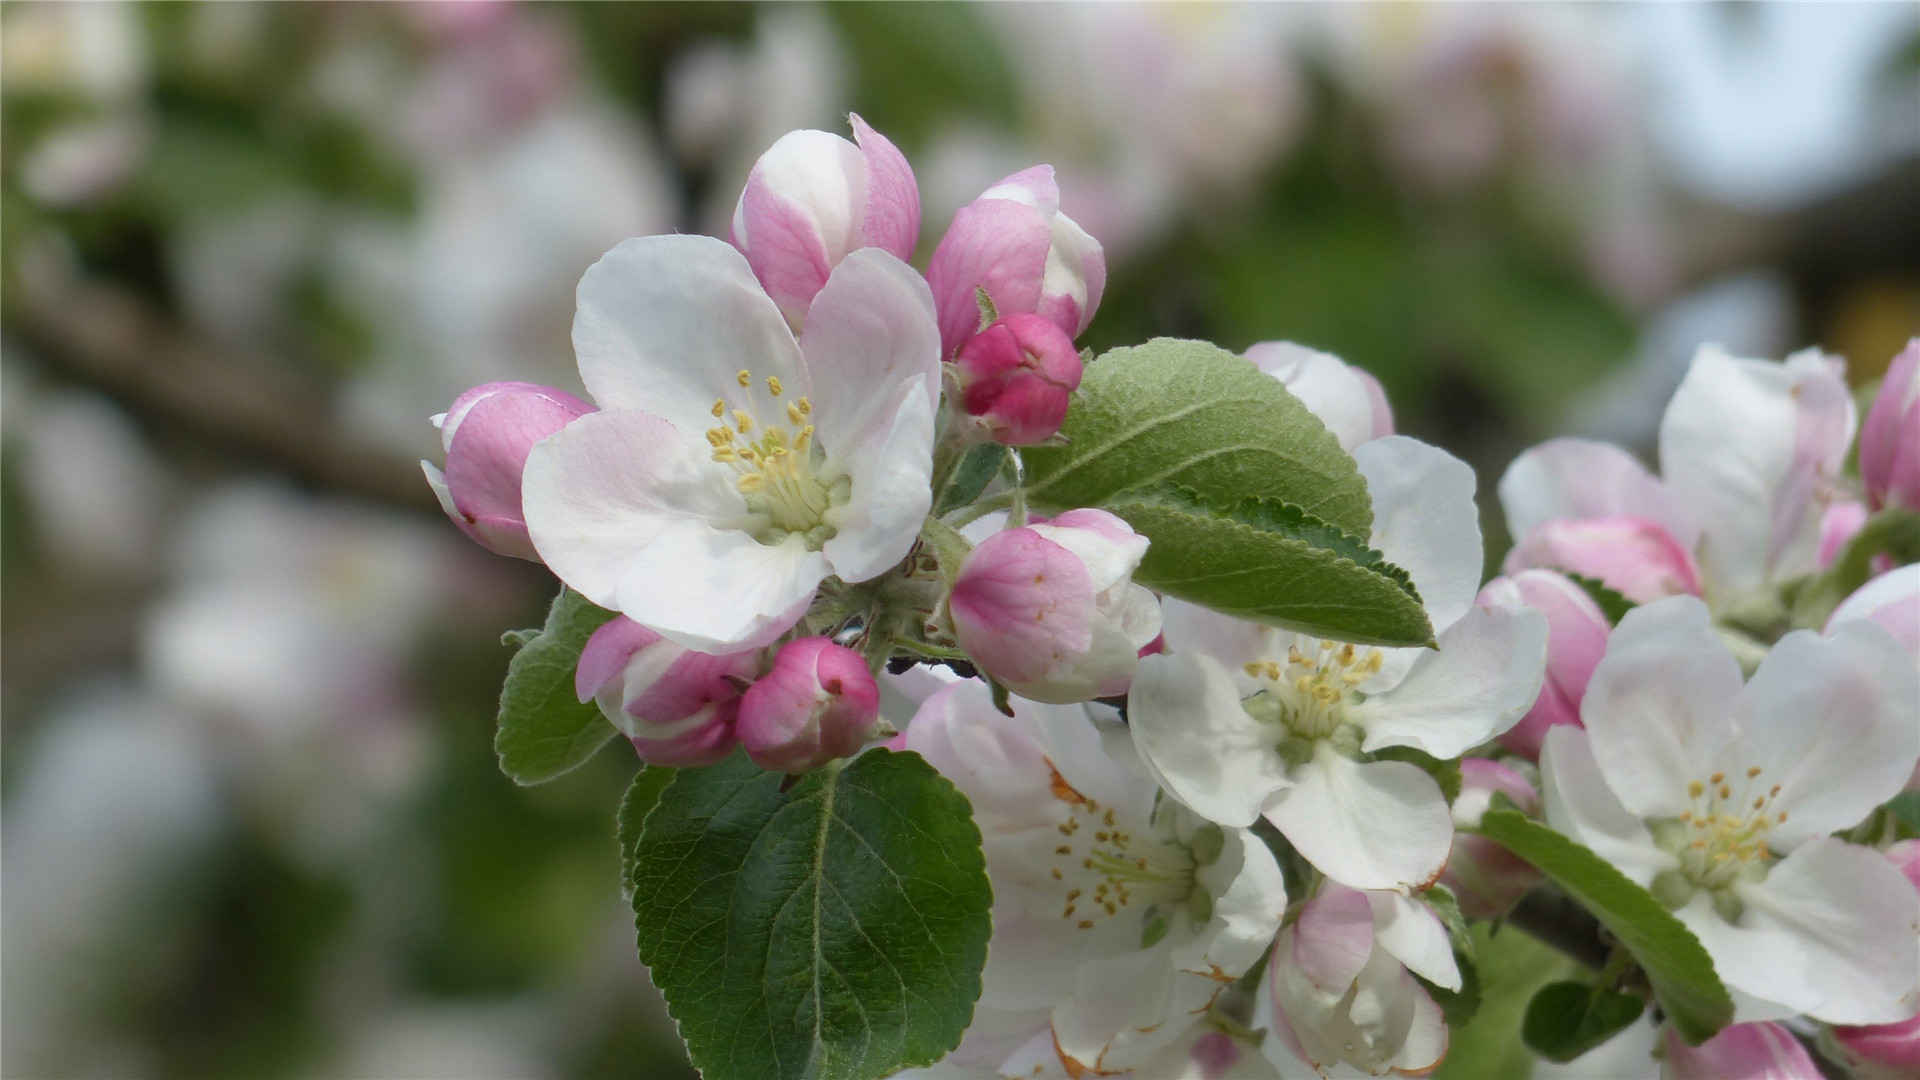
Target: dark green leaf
(971, 476)
(1191, 414)
(833, 930)
(1611, 603)
(1458, 1005)
(1272, 564)
(641, 797)
(1905, 808)
(1680, 970)
(544, 730)
(1567, 1019)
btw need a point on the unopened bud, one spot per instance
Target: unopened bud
(486, 435)
(1017, 377)
(1576, 639)
(1486, 878)
(1890, 439)
(1635, 557)
(818, 703)
(677, 706)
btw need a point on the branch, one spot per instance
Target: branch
(1556, 920)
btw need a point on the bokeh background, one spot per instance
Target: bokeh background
(252, 822)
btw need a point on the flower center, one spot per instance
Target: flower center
(780, 469)
(1309, 694)
(1104, 869)
(1720, 840)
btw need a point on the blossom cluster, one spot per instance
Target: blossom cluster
(1219, 847)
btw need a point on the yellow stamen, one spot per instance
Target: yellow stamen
(744, 378)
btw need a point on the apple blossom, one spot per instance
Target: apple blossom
(677, 706)
(1749, 450)
(1341, 988)
(1888, 1050)
(486, 435)
(1576, 639)
(1890, 439)
(1486, 878)
(1239, 720)
(818, 703)
(1891, 602)
(732, 468)
(814, 198)
(1348, 399)
(1114, 910)
(1015, 244)
(1757, 1051)
(1050, 610)
(1016, 378)
(1720, 797)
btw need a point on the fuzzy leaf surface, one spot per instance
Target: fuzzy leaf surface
(544, 731)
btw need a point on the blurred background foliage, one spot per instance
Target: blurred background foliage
(252, 822)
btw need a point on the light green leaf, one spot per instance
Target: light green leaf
(832, 931)
(1272, 564)
(1680, 970)
(1567, 1019)
(544, 730)
(1192, 414)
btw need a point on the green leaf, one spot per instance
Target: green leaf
(1567, 1019)
(1893, 532)
(1459, 1006)
(1610, 601)
(641, 797)
(970, 477)
(1273, 564)
(1905, 808)
(1678, 967)
(1192, 414)
(544, 730)
(833, 930)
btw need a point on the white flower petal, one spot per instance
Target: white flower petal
(665, 323)
(1832, 721)
(1580, 478)
(1415, 936)
(1373, 825)
(719, 591)
(1581, 805)
(1660, 705)
(889, 497)
(1190, 628)
(1331, 390)
(1480, 682)
(1248, 909)
(870, 339)
(1424, 521)
(1188, 724)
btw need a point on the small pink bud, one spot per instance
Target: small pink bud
(1838, 525)
(1486, 878)
(1636, 557)
(818, 703)
(1576, 639)
(1890, 439)
(1743, 1050)
(1017, 377)
(1014, 243)
(486, 435)
(1050, 610)
(813, 198)
(677, 706)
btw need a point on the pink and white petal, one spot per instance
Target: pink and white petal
(1331, 941)
(1581, 805)
(889, 497)
(606, 653)
(1854, 920)
(1325, 384)
(1188, 724)
(1892, 600)
(664, 323)
(1425, 1043)
(891, 218)
(1425, 521)
(783, 244)
(720, 590)
(995, 244)
(1831, 720)
(1034, 186)
(1762, 1051)
(1580, 478)
(989, 757)
(870, 339)
(1480, 682)
(598, 492)
(1660, 705)
(1074, 279)
(1371, 825)
(1415, 936)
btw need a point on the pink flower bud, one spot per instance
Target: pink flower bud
(1743, 1050)
(677, 706)
(1576, 639)
(1017, 376)
(1838, 525)
(812, 198)
(1635, 557)
(1014, 242)
(1486, 878)
(818, 703)
(1890, 439)
(1051, 611)
(1348, 399)
(486, 435)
